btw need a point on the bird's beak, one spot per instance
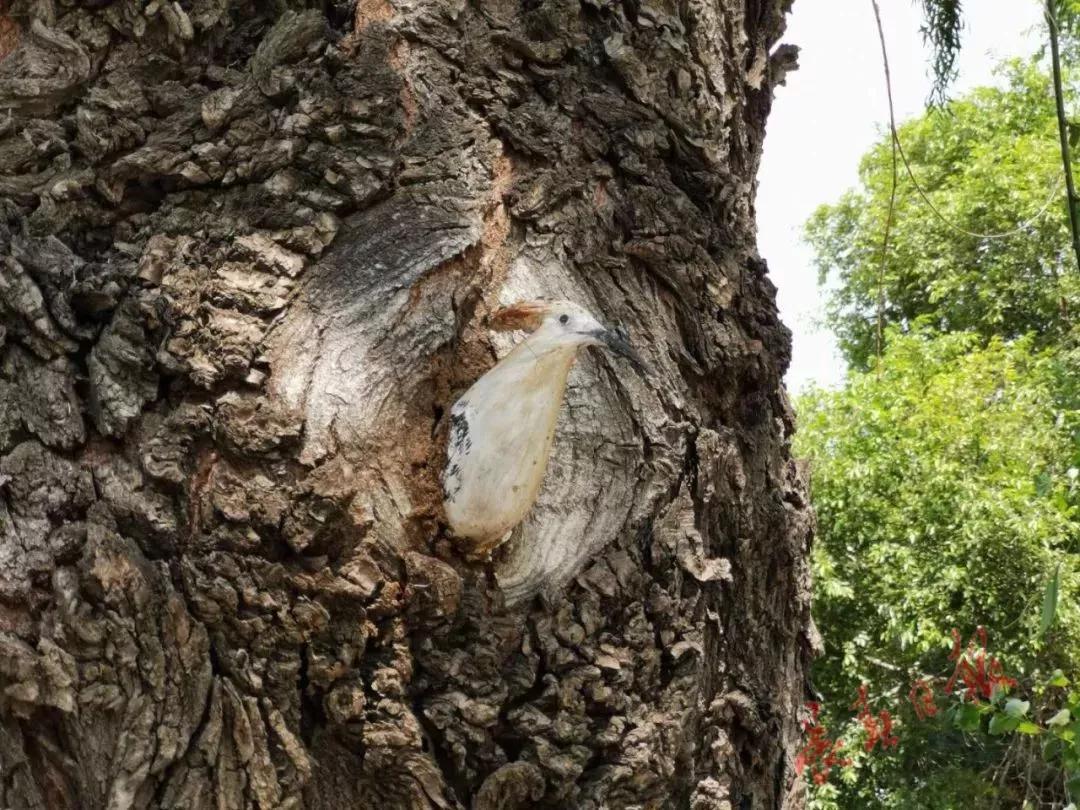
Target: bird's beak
(616, 339)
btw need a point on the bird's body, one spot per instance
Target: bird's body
(501, 429)
(499, 450)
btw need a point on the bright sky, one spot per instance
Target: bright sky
(831, 111)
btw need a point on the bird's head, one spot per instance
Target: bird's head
(564, 323)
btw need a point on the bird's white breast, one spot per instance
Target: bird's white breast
(500, 438)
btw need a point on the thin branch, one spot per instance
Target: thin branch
(898, 149)
(892, 191)
(1063, 127)
(1023, 226)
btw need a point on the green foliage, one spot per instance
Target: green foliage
(945, 472)
(988, 162)
(942, 29)
(945, 485)
(1050, 601)
(1068, 17)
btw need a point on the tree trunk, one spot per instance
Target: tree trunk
(249, 253)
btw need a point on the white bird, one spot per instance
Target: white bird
(501, 429)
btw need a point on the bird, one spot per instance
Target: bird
(502, 427)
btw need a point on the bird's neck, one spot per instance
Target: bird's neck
(532, 365)
(541, 356)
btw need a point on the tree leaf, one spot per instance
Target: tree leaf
(1050, 601)
(1014, 707)
(1051, 748)
(1003, 724)
(1043, 484)
(967, 717)
(1073, 785)
(1027, 727)
(1060, 719)
(1057, 678)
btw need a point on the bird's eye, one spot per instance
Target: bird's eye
(564, 318)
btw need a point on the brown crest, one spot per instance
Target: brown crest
(525, 315)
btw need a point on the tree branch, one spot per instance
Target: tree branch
(1063, 128)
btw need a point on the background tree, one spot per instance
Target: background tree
(248, 253)
(945, 485)
(945, 471)
(989, 163)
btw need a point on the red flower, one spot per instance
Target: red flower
(878, 727)
(998, 678)
(955, 654)
(861, 702)
(980, 672)
(814, 709)
(819, 754)
(888, 739)
(921, 697)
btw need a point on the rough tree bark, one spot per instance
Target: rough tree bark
(248, 250)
